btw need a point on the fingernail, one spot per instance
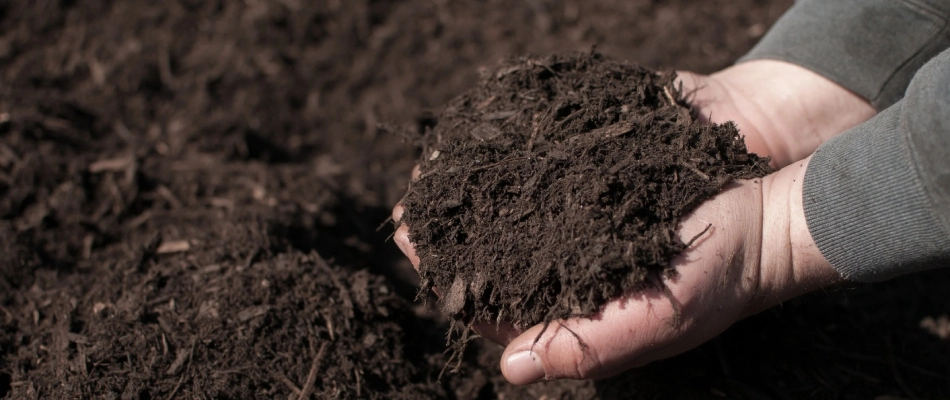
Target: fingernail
(524, 368)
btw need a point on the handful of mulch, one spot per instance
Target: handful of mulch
(558, 184)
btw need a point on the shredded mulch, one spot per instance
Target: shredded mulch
(559, 183)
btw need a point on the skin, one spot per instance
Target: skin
(784, 111)
(757, 254)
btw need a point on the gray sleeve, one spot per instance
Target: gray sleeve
(877, 197)
(872, 47)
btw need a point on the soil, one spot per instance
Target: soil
(558, 184)
(190, 192)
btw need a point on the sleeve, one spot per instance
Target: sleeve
(877, 197)
(871, 47)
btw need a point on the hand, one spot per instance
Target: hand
(501, 333)
(758, 253)
(783, 110)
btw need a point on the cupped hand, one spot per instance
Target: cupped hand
(717, 282)
(783, 110)
(757, 253)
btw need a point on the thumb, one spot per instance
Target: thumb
(628, 333)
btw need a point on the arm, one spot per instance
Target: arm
(846, 212)
(872, 203)
(878, 197)
(871, 47)
(825, 67)
(782, 110)
(758, 253)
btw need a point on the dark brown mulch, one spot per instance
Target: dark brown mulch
(245, 130)
(558, 184)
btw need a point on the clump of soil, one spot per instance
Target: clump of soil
(559, 183)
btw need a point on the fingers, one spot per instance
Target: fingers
(416, 173)
(401, 237)
(689, 81)
(398, 211)
(697, 91)
(626, 334)
(710, 292)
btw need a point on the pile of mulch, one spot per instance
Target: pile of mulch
(161, 161)
(284, 325)
(131, 278)
(558, 184)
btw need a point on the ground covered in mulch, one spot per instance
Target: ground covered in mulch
(558, 184)
(190, 193)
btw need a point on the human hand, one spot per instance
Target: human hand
(757, 254)
(784, 111)
(735, 269)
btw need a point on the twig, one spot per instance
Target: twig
(344, 292)
(538, 338)
(858, 374)
(290, 384)
(677, 315)
(577, 337)
(312, 376)
(176, 246)
(112, 164)
(697, 171)
(698, 235)
(458, 349)
(669, 96)
(922, 371)
(249, 261)
(386, 221)
(535, 129)
(177, 386)
(493, 165)
(570, 117)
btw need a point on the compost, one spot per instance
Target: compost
(190, 192)
(559, 184)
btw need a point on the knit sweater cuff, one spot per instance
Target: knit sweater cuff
(866, 206)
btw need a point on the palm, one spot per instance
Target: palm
(715, 286)
(716, 101)
(783, 111)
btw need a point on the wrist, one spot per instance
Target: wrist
(791, 263)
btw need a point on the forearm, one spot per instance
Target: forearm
(877, 198)
(825, 67)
